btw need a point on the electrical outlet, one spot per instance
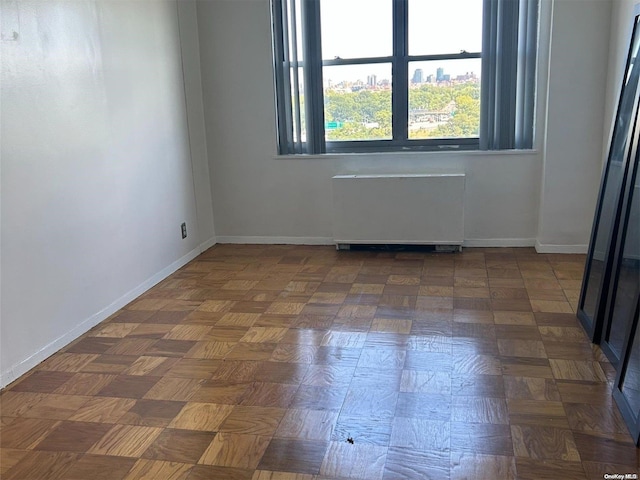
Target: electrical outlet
(184, 230)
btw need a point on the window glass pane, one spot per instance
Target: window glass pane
(356, 28)
(444, 99)
(357, 102)
(297, 103)
(294, 29)
(444, 26)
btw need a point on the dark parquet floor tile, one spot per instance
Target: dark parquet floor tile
(281, 362)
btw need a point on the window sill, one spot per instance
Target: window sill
(407, 154)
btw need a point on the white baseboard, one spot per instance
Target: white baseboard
(206, 245)
(276, 240)
(15, 371)
(499, 242)
(551, 248)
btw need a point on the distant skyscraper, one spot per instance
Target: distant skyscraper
(372, 80)
(440, 74)
(417, 76)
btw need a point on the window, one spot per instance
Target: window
(384, 75)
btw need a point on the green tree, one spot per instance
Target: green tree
(359, 111)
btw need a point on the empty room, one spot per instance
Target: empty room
(319, 239)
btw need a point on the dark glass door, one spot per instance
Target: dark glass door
(621, 340)
(594, 293)
(627, 388)
(622, 299)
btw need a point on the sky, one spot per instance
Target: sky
(362, 28)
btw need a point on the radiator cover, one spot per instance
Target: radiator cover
(422, 209)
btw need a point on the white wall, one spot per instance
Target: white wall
(260, 197)
(575, 123)
(190, 51)
(96, 169)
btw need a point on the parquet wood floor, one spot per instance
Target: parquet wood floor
(305, 363)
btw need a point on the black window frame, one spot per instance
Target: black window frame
(506, 119)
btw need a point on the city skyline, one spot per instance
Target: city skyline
(418, 77)
(353, 73)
